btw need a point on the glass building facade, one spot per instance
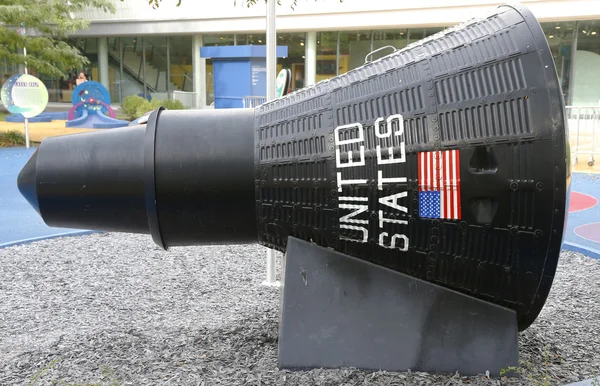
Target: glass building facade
(158, 65)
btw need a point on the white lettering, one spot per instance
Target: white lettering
(361, 135)
(365, 233)
(341, 182)
(359, 210)
(350, 162)
(391, 159)
(392, 245)
(389, 220)
(356, 158)
(391, 201)
(388, 126)
(392, 180)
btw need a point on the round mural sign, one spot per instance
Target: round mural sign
(24, 94)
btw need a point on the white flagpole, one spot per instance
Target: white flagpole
(271, 79)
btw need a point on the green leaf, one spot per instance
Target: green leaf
(47, 25)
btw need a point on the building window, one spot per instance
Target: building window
(561, 39)
(382, 38)
(327, 61)
(295, 43)
(354, 46)
(180, 60)
(586, 75)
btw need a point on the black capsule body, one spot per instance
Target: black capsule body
(446, 160)
(473, 195)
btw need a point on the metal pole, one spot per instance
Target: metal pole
(337, 55)
(26, 120)
(121, 54)
(271, 49)
(144, 67)
(168, 80)
(271, 76)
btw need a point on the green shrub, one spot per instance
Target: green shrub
(130, 105)
(173, 104)
(12, 138)
(136, 106)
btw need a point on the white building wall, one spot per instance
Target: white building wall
(222, 16)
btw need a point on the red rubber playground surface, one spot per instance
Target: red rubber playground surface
(19, 223)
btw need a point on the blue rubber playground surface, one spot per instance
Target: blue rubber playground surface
(583, 224)
(19, 223)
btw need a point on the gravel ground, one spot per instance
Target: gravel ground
(113, 309)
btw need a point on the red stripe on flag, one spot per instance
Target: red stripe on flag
(428, 170)
(421, 170)
(458, 184)
(448, 190)
(454, 196)
(440, 155)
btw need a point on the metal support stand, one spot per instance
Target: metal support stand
(271, 273)
(339, 311)
(271, 79)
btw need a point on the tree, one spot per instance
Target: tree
(47, 23)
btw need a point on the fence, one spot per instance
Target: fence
(584, 132)
(253, 101)
(188, 99)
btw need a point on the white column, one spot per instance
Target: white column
(199, 72)
(103, 62)
(271, 75)
(310, 59)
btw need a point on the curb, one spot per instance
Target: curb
(40, 238)
(591, 252)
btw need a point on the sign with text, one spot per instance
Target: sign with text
(24, 94)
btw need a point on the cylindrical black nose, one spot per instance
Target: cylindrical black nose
(26, 182)
(89, 181)
(187, 178)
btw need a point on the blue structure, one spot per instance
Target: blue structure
(91, 101)
(238, 72)
(43, 117)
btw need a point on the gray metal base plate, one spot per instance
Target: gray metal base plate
(339, 311)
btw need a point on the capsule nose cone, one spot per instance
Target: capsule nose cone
(26, 182)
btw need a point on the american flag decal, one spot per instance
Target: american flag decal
(439, 184)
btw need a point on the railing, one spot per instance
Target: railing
(253, 101)
(188, 99)
(584, 132)
(118, 61)
(139, 75)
